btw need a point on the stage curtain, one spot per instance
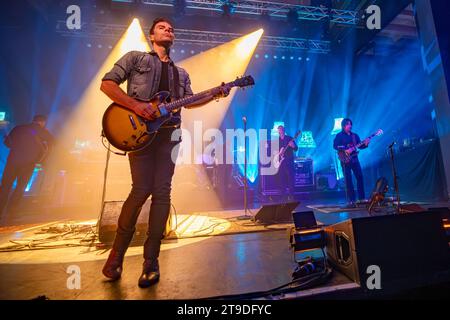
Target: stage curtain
(420, 171)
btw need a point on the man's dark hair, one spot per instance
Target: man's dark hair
(345, 122)
(39, 118)
(158, 20)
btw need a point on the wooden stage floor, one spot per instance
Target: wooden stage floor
(192, 268)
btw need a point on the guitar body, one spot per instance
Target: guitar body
(344, 157)
(280, 156)
(278, 159)
(127, 131)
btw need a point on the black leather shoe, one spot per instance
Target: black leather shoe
(113, 266)
(150, 274)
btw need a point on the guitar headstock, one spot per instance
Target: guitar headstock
(297, 134)
(379, 132)
(243, 82)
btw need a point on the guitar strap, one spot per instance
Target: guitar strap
(176, 80)
(354, 144)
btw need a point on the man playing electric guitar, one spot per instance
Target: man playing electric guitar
(286, 171)
(343, 143)
(151, 168)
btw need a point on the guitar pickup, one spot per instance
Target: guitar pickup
(130, 116)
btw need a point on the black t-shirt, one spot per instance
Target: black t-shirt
(289, 154)
(164, 82)
(164, 86)
(343, 141)
(28, 143)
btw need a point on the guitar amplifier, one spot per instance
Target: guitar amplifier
(304, 173)
(107, 224)
(303, 177)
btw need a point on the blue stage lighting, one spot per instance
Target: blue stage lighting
(274, 131)
(307, 140)
(337, 126)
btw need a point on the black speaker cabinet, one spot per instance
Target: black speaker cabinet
(276, 213)
(110, 216)
(411, 249)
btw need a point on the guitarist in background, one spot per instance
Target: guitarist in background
(286, 172)
(343, 140)
(152, 168)
(28, 145)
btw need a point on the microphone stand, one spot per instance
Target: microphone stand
(394, 173)
(105, 178)
(245, 216)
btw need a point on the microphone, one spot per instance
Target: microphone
(392, 144)
(244, 119)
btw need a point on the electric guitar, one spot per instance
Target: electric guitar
(129, 132)
(281, 155)
(345, 156)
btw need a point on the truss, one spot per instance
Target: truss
(271, 8)
(196, 37)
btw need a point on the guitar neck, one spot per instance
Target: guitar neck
(192, 99)
(362, 142)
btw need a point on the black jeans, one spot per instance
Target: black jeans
(354, 166)
(285, 177)
(151, 172)
(14, 170)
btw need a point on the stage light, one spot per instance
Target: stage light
(266, 56)
(247, 44)
(307, 59)
(292, 58)
(88, 45)
(256, 56)
(192, 51)
(307, 140)
(337, 126)
(133, 39)
(182, 51)
(274, 131)
(86, 118)
(275, 57)
(228, 9)
(283, 58)
(219, 64)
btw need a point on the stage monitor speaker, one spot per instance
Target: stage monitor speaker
(410, 250)
(110, 216)
(276, 213)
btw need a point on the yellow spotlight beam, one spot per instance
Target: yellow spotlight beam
(208, 69)
(212, 67)
(85, 121)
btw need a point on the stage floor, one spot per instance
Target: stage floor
(191, 268)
